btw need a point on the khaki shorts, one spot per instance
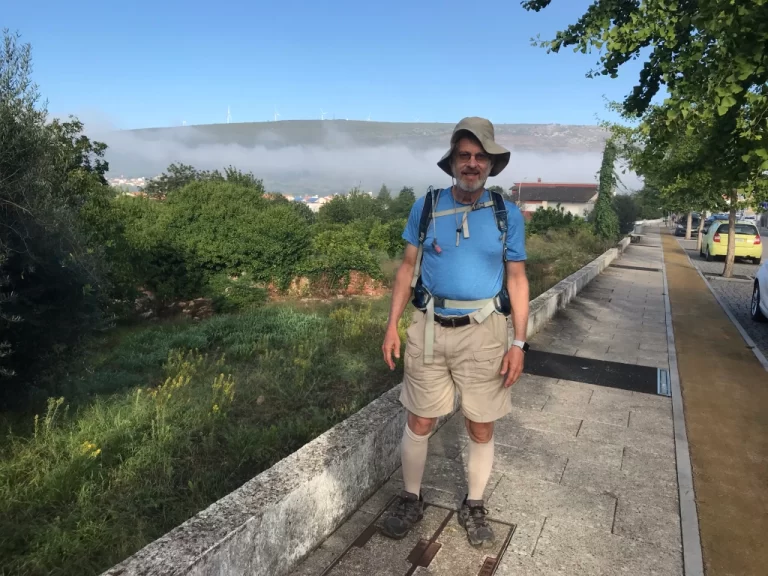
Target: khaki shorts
(466, 359)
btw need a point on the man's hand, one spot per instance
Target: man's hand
(391, 344)
(512, 365)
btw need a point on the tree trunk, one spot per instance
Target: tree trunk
(688, 226)
(701, 227)
(730, 255)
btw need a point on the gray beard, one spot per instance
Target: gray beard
(470, 189)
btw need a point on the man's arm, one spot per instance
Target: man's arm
(517, 286)
(401, 293)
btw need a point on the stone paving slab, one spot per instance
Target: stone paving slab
(586, 473)
(582, 551)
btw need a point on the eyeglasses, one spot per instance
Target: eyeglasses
(480, 157)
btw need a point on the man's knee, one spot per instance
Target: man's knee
(420, 426)
(480, 432)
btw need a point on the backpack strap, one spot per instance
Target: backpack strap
(430, 201)
(500, 213)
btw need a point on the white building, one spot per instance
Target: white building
(578, 199)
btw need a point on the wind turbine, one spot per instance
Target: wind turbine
(369, 116)
(277, 114)
(322, 114)
(183, 122)
(229, 116)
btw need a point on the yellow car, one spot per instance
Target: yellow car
(748, 242)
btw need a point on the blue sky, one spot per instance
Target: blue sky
(141, 63)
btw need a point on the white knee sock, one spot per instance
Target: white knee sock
(479, 464)
(414, 457)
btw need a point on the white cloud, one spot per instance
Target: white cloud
(338, 163)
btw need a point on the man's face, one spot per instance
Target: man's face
(471, 165)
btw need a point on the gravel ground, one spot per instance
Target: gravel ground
(736, 294)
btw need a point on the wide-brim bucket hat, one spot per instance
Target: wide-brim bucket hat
(481, 129)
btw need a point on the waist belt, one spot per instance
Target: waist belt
(486, 307)
(453, 321)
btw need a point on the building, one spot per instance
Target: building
(578, 199)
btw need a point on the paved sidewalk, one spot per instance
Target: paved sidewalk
(584, 478)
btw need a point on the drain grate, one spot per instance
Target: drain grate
(423, 553)
(642, 268)
(663, 387)
(632, 377)
(442, 548)
(489, 566)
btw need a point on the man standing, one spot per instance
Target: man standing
(465, 260)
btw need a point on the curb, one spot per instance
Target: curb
(693, 562)
(269, 524)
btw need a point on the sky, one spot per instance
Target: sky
(164, 63)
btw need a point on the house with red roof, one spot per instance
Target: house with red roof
(578, 199)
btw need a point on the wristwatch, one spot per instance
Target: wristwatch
(520, 344)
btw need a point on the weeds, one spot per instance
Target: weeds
(209, 405)
(169, 418)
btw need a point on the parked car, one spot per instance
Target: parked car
(713, 218)
(681, 226)
(759, 304)
(748, 241)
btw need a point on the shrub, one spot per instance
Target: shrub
(52, 283)
(550, 218)
(627, 211)
(338, 252)
(231, 228)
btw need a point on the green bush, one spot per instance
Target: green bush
(337, 252)
(235, 294)
(550, 218)
(627, 211)
(231, 228)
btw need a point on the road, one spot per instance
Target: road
(736, 293)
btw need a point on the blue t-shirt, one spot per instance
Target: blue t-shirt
(475, 269)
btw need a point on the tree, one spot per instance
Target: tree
(176, 176)
(649, 203)
(401, 206)
(51, 287)
(606, 220)
(711, 57)
(336, 211)
(627, 212)
(709, 54)
(362, 206)
(384, 198)
(227, 227)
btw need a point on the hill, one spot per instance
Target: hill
(314, 156)
(343, 133)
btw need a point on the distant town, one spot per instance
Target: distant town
(134, 186)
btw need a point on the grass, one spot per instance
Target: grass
(170, 419)
(557, 254)
(160, 421)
